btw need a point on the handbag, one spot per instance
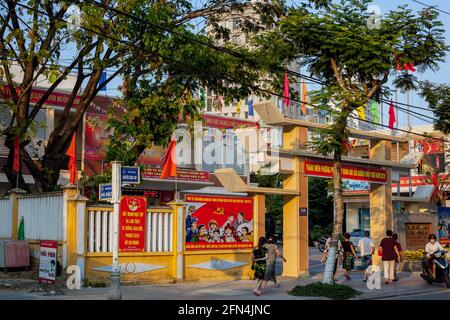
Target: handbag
(380, 252)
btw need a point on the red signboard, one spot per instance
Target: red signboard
(185, 175)
(219, 122)
(325, 170)
(133, 212)
(429, 146)
(216, 222)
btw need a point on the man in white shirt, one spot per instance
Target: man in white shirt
(366, 249)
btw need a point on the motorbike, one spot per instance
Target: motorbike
(321, 244)
(442, 269)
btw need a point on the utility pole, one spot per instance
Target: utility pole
(116, 197)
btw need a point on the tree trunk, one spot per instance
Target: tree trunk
(338, 219)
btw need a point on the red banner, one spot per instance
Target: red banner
(133, 212)
(185, 175)
(220, 122)
(325, 170)
(429, 146)
(216, 222)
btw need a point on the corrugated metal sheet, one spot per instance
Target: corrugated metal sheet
(43, 216)
(5, 218)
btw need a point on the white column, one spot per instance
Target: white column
(98, 230)
(91, 230)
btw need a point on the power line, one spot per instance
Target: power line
(127, 43)
(431, 6)
(222, 49)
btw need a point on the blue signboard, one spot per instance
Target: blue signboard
(104, 191)
(131, 175)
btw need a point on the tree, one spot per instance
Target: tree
(147, 42)
(354, 59)
(438, 98)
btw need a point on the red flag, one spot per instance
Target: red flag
(170, 166)
(407, 66)
(16, 163)
(391, 116)
(286, 100)
(72, 154)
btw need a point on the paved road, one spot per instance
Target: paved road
(443, 294)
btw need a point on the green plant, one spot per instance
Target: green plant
(332, 291)
(93, 284)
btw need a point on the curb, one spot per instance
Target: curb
(408, 293)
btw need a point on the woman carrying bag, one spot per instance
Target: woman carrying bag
(259, 257)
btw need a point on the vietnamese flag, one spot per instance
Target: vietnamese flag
(16, 163)
(72, 154)
(391, 116)
(170, 166)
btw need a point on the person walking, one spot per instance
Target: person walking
(366, 249)
(389, 253)
(397, 258)
(338, 256)
(259, 257)
(272, 254)
(348, 264)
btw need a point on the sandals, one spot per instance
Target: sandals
(256, 292)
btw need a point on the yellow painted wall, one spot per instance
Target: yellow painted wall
(197, 274)
(94, 260)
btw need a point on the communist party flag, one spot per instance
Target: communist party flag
(391, 116)
(72, 154)
(304, 93)
(170, 166)
(16, 163)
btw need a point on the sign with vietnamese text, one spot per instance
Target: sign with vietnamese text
(48, 250)
(131, 175)
(217, 222)
(133, 212)
(104, 191)
(325, 170)
(185, 175)
(417, 235)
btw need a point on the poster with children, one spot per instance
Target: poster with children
(216, 222)
(444, 225)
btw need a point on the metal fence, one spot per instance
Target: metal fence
(43, 216)
(5, 218)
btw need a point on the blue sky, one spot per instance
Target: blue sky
(441, 76)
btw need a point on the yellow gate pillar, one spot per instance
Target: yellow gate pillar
(179, 216)
(295, 208)
(380, 199)
(259, 217)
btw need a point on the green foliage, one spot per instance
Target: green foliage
(274, 203)
(438, 98)
(93, 182)
(317, 289)
(320, 204)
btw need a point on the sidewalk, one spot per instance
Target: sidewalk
(410, 283)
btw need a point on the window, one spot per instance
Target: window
(236, 39)
(246, 115)
(236, 24)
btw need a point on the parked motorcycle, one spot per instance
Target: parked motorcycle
(442, 269)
